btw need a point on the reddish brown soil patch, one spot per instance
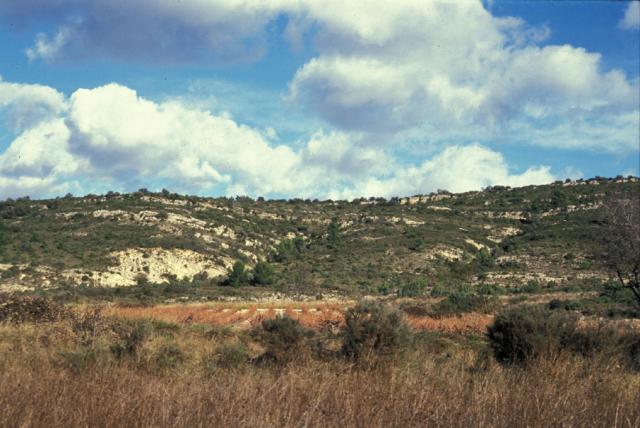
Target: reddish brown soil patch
(312, 315)
(460, 324)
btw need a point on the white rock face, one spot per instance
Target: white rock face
(154, 263)
(503, 233)
(477, 245)
(445, 252)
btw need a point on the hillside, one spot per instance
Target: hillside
(534, 236)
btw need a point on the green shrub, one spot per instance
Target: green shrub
(82, 357)
(463, 298)
(567, 305)
(522, 334)
(88, 325)
(168, 356)
(634, 352)
(3, 239)
(608, 341)
(333, 233)
(440, 290)
(490, 290)
(530, 287)
(374, 329)
(412, 288)
(238, 275)
(485, 259)
(263, 273)
(132, 337)
(613, 291)
(231, 355)
(288, 249)
(282, 337)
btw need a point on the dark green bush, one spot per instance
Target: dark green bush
(283, 337)
(440, 290)
(611, 342)
(374, 329)
(88, 325)
(634, 352)
(289, 249)
(613, 291)
(567, 305)
(530, 287)
(412, 288)
(333, 233)
(485, 259)
(81, 358)
(168, 356)
(464, 299)
(231, 355)
(238, 275)
(263, 273)
(490, 290)
(525, 333)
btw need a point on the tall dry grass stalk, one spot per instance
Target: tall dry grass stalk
(567, 393)
(38, 389)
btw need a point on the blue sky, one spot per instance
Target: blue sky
(339, 99)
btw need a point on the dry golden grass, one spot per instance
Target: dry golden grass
(42, 386)
(568, 393)
(460, 324)
(313, 315)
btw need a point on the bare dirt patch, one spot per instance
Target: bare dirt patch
(316, 315)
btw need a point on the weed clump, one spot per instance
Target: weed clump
(228, 356)
(523, 334)
(374, 329)
(20, 309)
(413, 288)
(167, 357)
(464, 299)
(132, 337)
(283, 337)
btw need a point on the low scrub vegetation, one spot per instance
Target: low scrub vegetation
(90, 369)
(18, 309)
(373, 329)
(524, 334)
(283, 338)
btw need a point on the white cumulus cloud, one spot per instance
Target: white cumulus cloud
(456, 168)
(398, 66)
(380, 67)
(631, 18)
(24, 105)
(111, 138)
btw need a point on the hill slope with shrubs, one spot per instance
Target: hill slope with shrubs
(501, 238)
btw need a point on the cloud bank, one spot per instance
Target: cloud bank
(445, 76)
(384, 68)
(110, 135)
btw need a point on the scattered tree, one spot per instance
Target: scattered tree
(619, 238)
(333, 233)
(289, 249)
(263, 273)
(2, 237)
(238, 275)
